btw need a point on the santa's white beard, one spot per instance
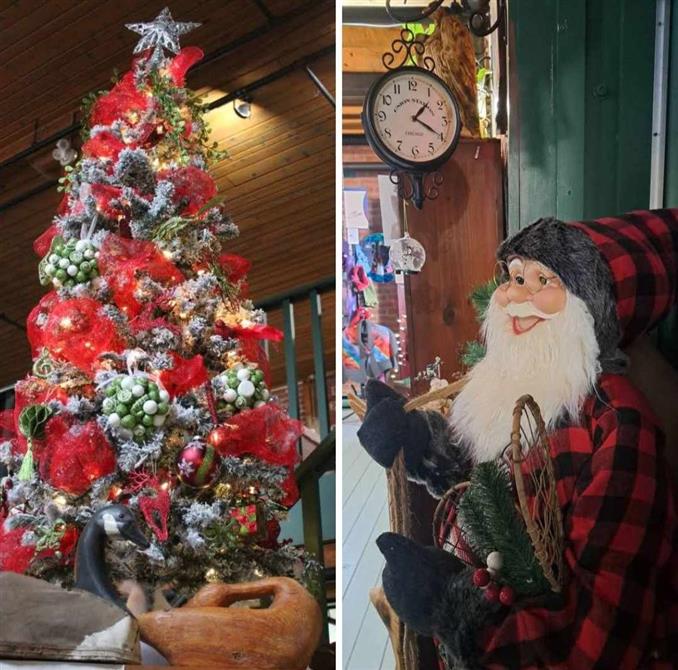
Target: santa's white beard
(556, 363)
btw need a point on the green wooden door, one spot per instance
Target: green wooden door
(581, 80)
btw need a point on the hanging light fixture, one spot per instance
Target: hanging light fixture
(242, 106)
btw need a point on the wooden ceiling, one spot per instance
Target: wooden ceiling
(278, 178)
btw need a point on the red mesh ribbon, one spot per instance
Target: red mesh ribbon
(77, 331)
(156, 510)
(37, 319)
(234, 267)
(289, 486)
(272, 534)
(123, 101)
(257, 331)
(107, 200)
(147, 321)
(43, 242)
(182, 63)
(122, 261)
(265, 432)
(103, 145)
(14, 557)
(193, 188)
(74, 455)
(187, 373)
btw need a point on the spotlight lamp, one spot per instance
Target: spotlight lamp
(242, 106)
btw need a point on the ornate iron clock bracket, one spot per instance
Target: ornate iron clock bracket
(417, 186)
(477, 13)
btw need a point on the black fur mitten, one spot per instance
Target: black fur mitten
(432, 592)
(432, 456)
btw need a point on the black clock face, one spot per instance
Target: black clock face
(411, 119)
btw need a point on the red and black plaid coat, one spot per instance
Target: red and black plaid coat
(619, 513)
(621, 600)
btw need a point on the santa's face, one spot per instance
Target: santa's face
(539, 339)
(529, 293)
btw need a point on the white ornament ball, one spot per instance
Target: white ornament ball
(72, 270)
(88, 254)
(138, 390)
(64, 263)
(113, 420)
(50, 269)
(495, 561)
(230, 395)
(150, 407)
(246, 389)
(53, 259)
(164, 395)
(127, 383)
(80, 245)
(243, 374)
(159, 420)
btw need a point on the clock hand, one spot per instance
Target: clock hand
(435, 132)
(418, 114)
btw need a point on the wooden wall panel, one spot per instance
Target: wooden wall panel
(278, 179)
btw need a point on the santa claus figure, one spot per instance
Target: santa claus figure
(570, 296)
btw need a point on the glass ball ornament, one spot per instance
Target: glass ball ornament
(407, 255)
(198, 464)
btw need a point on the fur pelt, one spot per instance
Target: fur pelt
(574, 257)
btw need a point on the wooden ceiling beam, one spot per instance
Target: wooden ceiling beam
(215, 55)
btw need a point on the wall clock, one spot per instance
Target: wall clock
(411, 120)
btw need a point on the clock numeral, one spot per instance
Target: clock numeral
(387, 132)
(429, 91)
(399, 144)
(386, 98)
(412, 84)
(440, 104)
(381, 115)
(445, 122)
(396, 88)
(415, 150)
(431, 148)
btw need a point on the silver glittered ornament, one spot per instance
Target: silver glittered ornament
(407, 255)
(162, 32)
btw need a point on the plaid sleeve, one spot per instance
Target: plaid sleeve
(618, 531)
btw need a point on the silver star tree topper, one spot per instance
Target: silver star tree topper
(163, 31)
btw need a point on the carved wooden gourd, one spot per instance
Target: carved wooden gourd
(207, 633)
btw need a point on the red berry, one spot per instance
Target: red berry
(506, 595)
(481, 577)
(492, 592)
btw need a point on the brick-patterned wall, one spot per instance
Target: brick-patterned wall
(306, 389)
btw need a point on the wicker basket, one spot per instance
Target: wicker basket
(529, 461)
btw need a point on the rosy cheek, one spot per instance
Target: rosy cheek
(550, 300)
(500, 296)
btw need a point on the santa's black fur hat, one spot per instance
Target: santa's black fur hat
(624, 269)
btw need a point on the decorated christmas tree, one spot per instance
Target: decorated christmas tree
(149, 380)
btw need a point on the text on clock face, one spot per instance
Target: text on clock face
(414, 118)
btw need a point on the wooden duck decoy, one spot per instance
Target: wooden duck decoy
(42, 621)
(207, 633)
(112, 521)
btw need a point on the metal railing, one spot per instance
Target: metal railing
(323, 458)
